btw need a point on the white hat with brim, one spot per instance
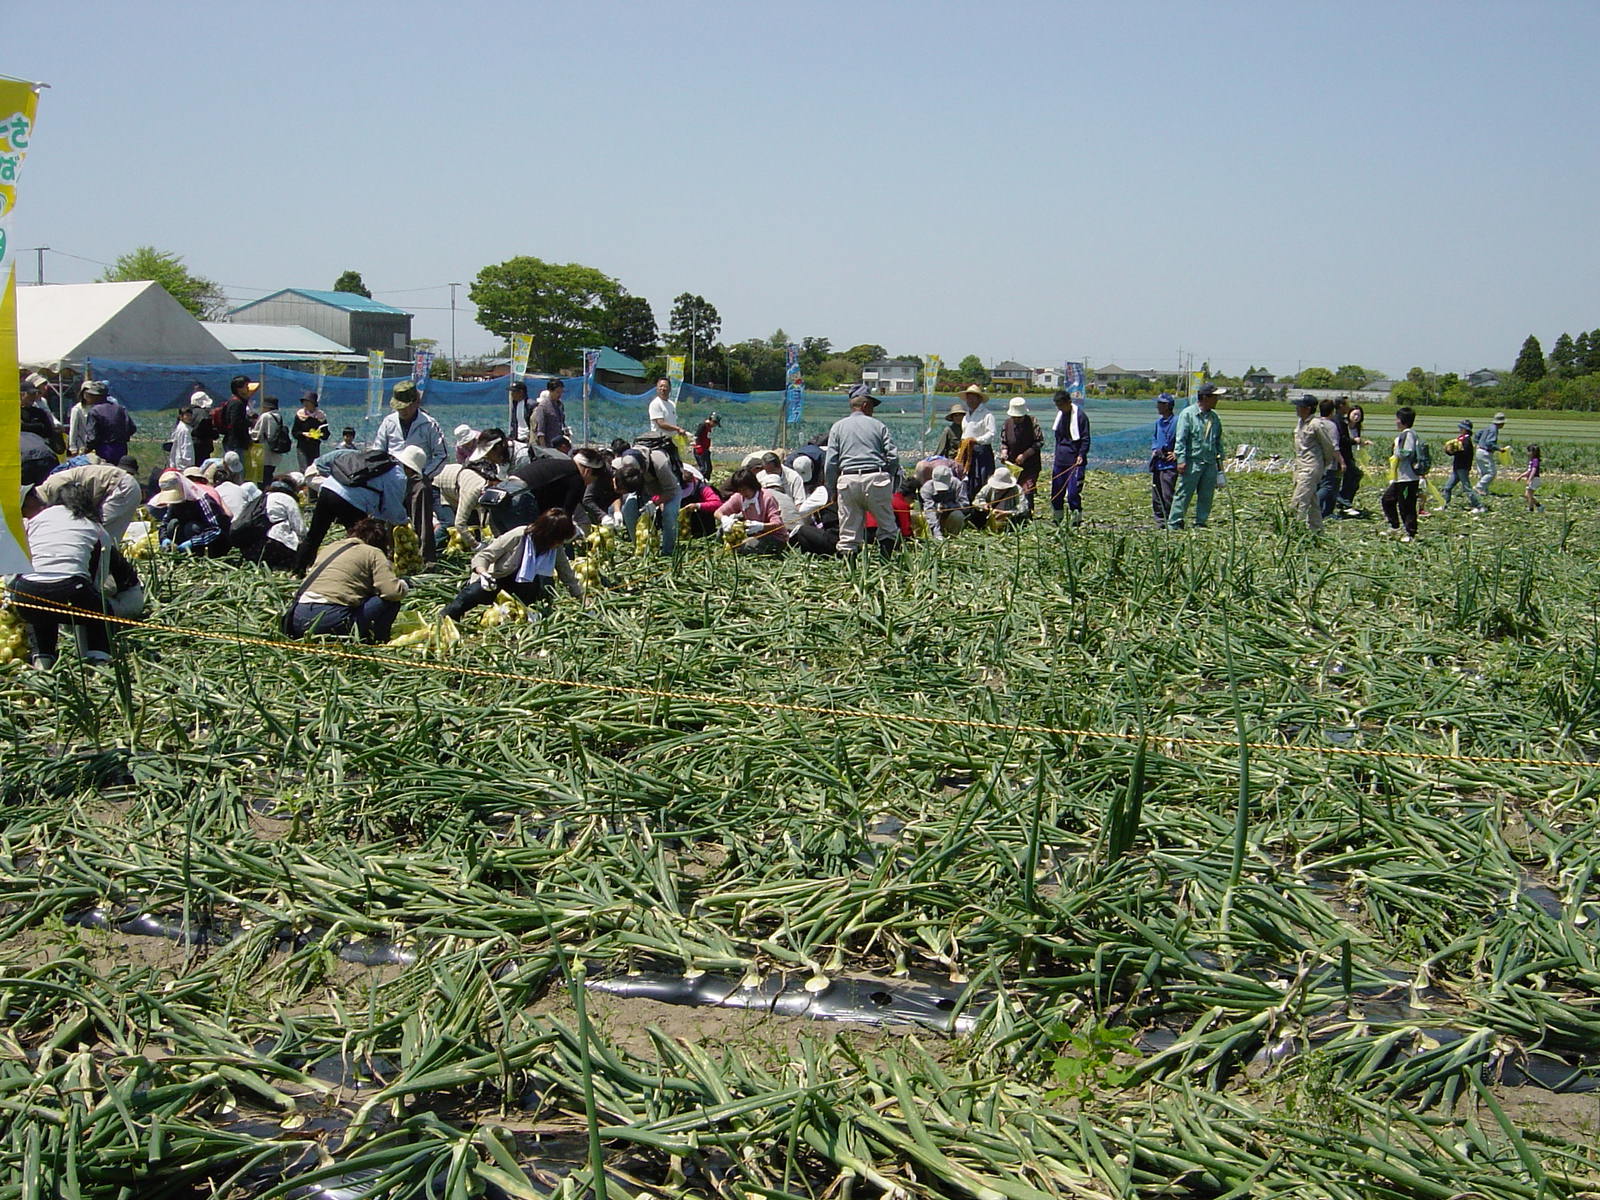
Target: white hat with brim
(412, 458)
(1002, 480)
(1017, 408)
(170, 490)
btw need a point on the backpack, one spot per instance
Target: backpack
(1422, 457)
(219, 418)
(251, 521)
(358, 468)
(507, 504)
(278, 440)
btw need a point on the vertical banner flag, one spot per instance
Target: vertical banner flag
(591, 364)
(18, 102)
(675, 376)
(521, 348)
(930, 384)
(374, 384)
(794, 386)
(422, 370)
(1196, 378)
(1073, 379)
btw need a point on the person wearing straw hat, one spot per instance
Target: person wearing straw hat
(978, 428)
(1485, 445)
(1071, 457)
(950, 437)
(194, 520)
(1001, 498)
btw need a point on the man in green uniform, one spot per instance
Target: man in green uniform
(1198, 446)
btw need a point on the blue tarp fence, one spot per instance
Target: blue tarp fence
(1122, 429)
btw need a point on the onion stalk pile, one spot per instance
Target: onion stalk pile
(275, 918)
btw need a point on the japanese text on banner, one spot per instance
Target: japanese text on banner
(794, 386)
(18, 103)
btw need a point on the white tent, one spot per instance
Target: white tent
(66, 323)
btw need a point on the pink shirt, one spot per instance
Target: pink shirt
(761, 508)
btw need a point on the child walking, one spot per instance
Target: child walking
(1530, 477)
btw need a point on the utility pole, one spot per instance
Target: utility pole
(39, 262)
(453, 288)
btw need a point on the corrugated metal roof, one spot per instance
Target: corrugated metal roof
(349, 301)
(243, 337)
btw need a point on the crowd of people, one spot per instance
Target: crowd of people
(517, 499)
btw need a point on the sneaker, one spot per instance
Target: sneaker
(97, 658)
(1352, 512)
(42, 662)
(1408, 538)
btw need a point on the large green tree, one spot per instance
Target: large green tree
(630, 326)
(352, 282)
(971, 370)
(1591, 359)
(763, 363)
(1564, 357)
(693, 326)
(562, 306)
(866, 352)
(1354, 376)
(1314, 377)
(813, 350)
(1529, 366)
(196, 293)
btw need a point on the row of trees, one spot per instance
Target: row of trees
(565, 307)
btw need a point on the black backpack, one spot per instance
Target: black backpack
(251, 521)
(358, 468)
(278, 441)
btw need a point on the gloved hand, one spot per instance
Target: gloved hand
(727, 522)
(166, 543)
(184, 547)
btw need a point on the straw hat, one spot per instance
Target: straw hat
(1002, 480)
(170, 490)
(973, 389)
(412, 458)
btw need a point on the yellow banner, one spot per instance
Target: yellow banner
(521, 350)
(18, 103)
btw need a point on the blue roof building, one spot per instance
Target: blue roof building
(348, 318)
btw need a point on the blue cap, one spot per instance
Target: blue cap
(1165, 398)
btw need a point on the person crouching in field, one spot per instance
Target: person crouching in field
(523, 562)
(352, 586)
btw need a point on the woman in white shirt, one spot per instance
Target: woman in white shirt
(70, 555)
(978, 427)
(524, 562)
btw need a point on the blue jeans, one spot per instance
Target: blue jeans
(669, 518)
(372, 619)
(1461, 477)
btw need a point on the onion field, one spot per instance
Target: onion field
(1083, 863)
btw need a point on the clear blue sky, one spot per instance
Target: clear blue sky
(1393, 183)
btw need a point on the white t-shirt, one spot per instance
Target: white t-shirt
(662, 410)
(61, 545)
(236, 495)
(285, 522)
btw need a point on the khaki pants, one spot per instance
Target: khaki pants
(1304, 497)
(859, 495)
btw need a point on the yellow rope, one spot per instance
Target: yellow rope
(390, 660)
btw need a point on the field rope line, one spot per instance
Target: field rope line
(394, 660)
